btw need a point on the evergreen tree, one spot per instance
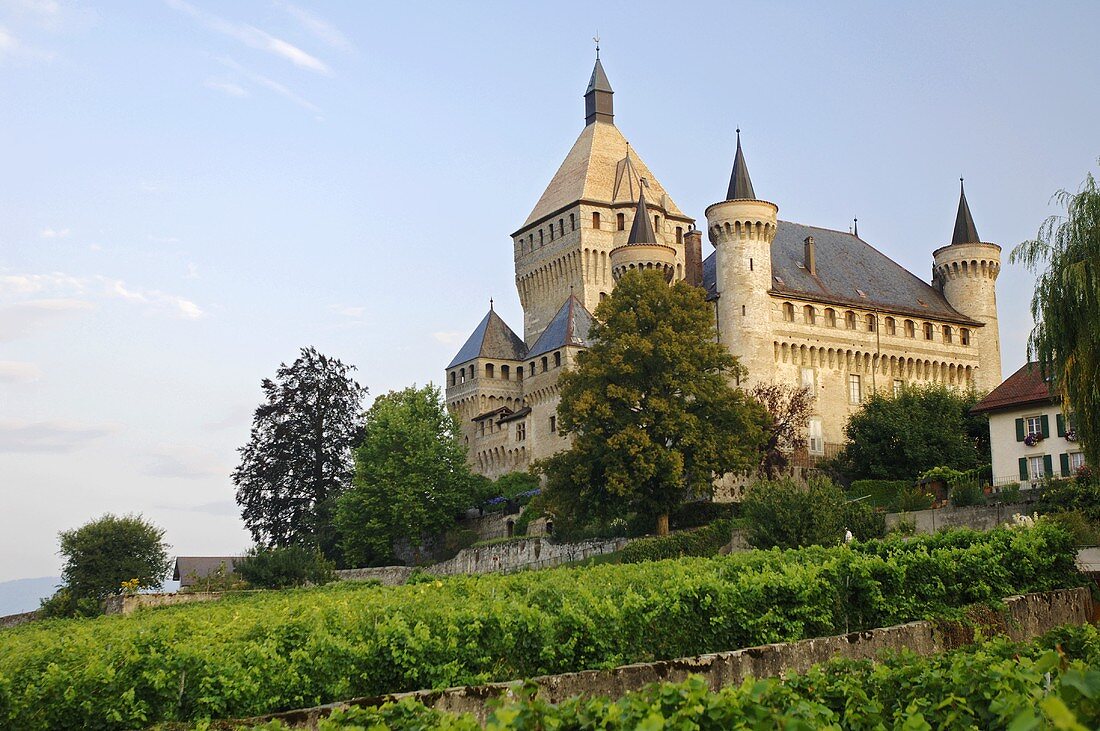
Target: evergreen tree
(1066, 307)
(298, 459)
(411, 477)
(651, 406)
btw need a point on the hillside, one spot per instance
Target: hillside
(23, 595)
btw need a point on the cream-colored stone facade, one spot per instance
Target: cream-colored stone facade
(806, 320)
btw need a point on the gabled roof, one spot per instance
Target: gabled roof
(740, 184)
(641, 230)
(846, 266)
(590, 171)
(965, 230)
(569, 327)
(492, 338)
(1025, 386)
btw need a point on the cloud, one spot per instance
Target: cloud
(251, 36)
(449, 338)
(26, 318)
(348, 311)
(15, 50)
(272, 85)
(321, 29)
(13, 371)
(180, 306)
(226, 87)
(49, 233)
(183, 463)
(49, 437)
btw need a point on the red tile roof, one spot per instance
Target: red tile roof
(1025, 386)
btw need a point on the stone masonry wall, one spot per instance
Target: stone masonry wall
(978, 517)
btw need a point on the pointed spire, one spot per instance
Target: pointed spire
(641, 231)
(855, 227)
(740, 184)
(965, 231)
(598, 105)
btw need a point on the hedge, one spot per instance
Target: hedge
(892, 495)
(705, 541)
(263, 652)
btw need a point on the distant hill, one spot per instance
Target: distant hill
(23, 595)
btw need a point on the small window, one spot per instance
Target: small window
(553, 424)
(462, 376)
(521, 431)
(1076, 461)
(557, 359)
(551, 232)
(453, 378)
(572, 222)
(871, 323)
(1035, 467)
(531, 242)
(505, 373)
(927, 331)
(910, 329)
(809, 314)
(964, 336)
(891, 326)
(489, 370)
(830, 317)
(809, 379)
(898, 385)
(482, 424)
(545, 364)
(473, 370)
(656, 224)
(850, 320)
(620, 222)
(816, 441)
(519, 373)
(595, 219)
(788, 312)
(947, 333)
(855, 389)
(532, 368)
(1033, 425)
(540, 237)
(679, 234)
(561, 226)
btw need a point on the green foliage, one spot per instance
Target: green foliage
(282, 568)
(941, 474)
(966, 494)
(1065, 306)
(899, 437)
(103, 553)
(1049, 683)
(1072, 495)
(220, 579)
(788, 410)
(702, 512)
(893, 496)
(1009, 494)
(261, 652)
(651, 408)
(64, 604)
(411, 477)
(785, 513)
(298, 457)
(513, 484)
(1083, 531)
(705, 541)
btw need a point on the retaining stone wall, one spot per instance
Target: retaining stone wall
(130, 604)
(978, 517)
(14, 620)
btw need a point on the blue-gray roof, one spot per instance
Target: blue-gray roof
(569, 327)
(846, 265)
(492, 338)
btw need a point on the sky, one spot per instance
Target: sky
(191, 191)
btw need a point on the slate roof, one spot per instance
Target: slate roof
(599, 81)
(190, 568)
(740, 183)
(492, 338)
(965, 230)
(569, 327)
(641, 230)
(846, 265)
(1025, 386)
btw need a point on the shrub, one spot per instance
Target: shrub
(280, 568)
(966, 494)
(1081, 529)
(863, 521)
(702, 512)
(105, 552)
(1072, 495)
(705, 541)
(895, 496)
(64, 604)
(1009, 494)
(786, 514)
(941, 474)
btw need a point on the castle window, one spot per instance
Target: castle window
(540, 237)
(927, 331)
(482, 427)
(830, 317)
(603, 296)
(572, 222)
(891, 326)
(553, 424)
(909, 329)
(850, 320)
(964, 336)
(489, 370)
(557, 359)
(750, 263)
(551, 232)
(521, 431)
(620, 222)
(519, 373)
(947, 333)
(462, 376)
(453, 378)
(855, 389)
(532, 368)
(809, 315)
(898, 386)
(816, 442)
(545, 364)
(595, 219)
(656, 224)
(473, 369)
(788, 312)
(679, 234)
(505, 372)
(871, 322)
(561, 226)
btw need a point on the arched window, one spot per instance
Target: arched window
(679, 234)
(809, 315)
(572, 222)
(541, 242)
(473, 370)
(462, 376)
(551, 232)
(489, 370)
(788, 312)
(545, 364)
(620, 222)
(557, 359)
(927, 331)
(505, 373)
(519, 373)
(850, 320)
(830, 317)
(964, 336)
(947, 333)
(453, 378)
(561, 226)
(891, 326)
(910, 329)
(595, 219)
(532, 368)
(871, 322)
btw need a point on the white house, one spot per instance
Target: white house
(1030, 436)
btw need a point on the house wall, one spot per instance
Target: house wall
(1007, 451)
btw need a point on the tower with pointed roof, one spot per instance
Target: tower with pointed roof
(966, 272)
(641, 250)
(742, 228)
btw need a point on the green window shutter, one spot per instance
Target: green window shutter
(1048, 466)
(1044, 425)
(1020, 431)
(1063, 462)
(1061, 419)
(1023, 469)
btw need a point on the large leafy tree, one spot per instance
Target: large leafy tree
(298, 459)
(1066, 307)
(651, 406)
(897, 437)
(105, 552)
(789, 409)
(411, 477)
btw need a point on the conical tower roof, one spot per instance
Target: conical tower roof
(492, 338)
(641, 231)
(740, 183)
(965, 230)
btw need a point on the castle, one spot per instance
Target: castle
(795, 303)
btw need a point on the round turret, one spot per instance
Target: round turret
(641, 250)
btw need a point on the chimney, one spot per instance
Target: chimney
(811, 257)
(693, 257)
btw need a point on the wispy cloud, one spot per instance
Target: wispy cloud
(183, 463)
(226, 87)
(26, 318)
(326, 32)
(13, 371)
(448, 338)
(252, 36)
(272, 85)
(53, 233)
(52, 437)
(13, 49)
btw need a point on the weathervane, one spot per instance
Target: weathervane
(596, 40)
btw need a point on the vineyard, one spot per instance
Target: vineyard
(258, 653)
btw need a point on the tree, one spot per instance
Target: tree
(651, 407)
(785, 513)
(789, 409)
(298, 458)
(898, 437)
(281, 568)
(1065, 306)
(411, 477)
(103, 553)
